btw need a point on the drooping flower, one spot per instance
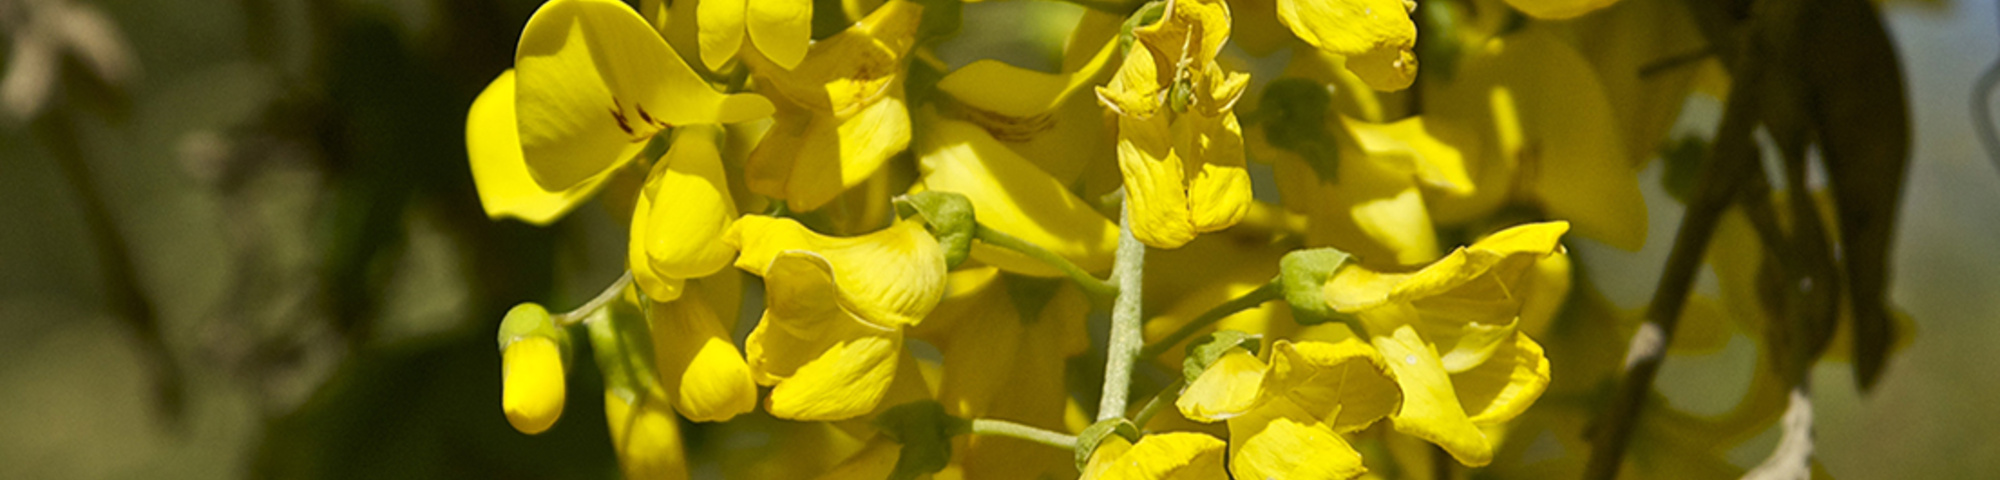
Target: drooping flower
(1308, 395)
(832, 332)
(841, 113)
(1179, 145)
(1450, 332)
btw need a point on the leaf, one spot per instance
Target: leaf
(1858, 107)
(1293, 114)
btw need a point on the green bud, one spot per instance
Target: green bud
(950, 218)
(1304, 273)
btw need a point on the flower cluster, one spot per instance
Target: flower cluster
(988, 211)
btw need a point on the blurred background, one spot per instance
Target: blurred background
(238, 238)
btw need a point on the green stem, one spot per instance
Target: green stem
(1090, 283)
(1003, 428)
(603, 298)
(1272, 290)
(1167, 396)
(1128, 269)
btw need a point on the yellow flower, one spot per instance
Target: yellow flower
(841, 113)
(1373, 206)
(506, 188)
(1310, 393)
(680, 216)
(700, 368)
(1048, 118)
(1376, 37)
(1558, 9)
(832, 331)
(1179, 146)
(532, 388)
(1160, 456)
(1450, 332)
(1011, 195)
(595, 82)
(780, 29)
(1544, 134)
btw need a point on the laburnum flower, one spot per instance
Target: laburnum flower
(646, 436)
(1159, 456)
(781, 30)
(1304, 399)
(1376, 37)
(680, 215)
(532, 368)
(1014, 196)
(832, 332)
(841, 113)
(500, 173)
(1051, 119)
(595, 82)
(1537, 129)
(1450, 332)
(1006, 341)
(1180, 148)
(700, 369)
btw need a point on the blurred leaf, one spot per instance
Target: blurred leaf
(1303, 274)
(1858, 107)
(1293, 114)
(925, 431)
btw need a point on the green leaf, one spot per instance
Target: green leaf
(925, 431)
(1683, 160)
(1863, 123)
(951, 220)
(1204, 351)
(1293, 112)
(1087, 441)
(1304, 273)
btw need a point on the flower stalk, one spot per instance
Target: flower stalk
(1003, 428)
(1127, 338)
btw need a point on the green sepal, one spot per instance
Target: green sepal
(528, 320)
(1146, 15)
(623, 347)
(950, 218)
(1204, 351)
(925, 431)
(1293, 113)
(1087, 441)
(1304, 273)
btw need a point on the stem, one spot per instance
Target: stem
(603, 298)
(1167, 396)
(1269, 291)
(1126, 336)
(1730, 162)
(1090, 283)
(1003, 428)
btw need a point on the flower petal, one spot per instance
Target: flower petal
(1281, 440)
(848, 380)
(1430, 406)
(1505, 385)
(1160, 456)
(698, 364)
(596, 82)
(646, 436)
(720, 24)
(1013, 196)
(687, 209)
(890, 278)
(500, 173)
(533, 391)
(1229, 387)
(781, 29)
(1345, 383)
(1558, 9)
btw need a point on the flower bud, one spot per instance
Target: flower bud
(532, 363)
